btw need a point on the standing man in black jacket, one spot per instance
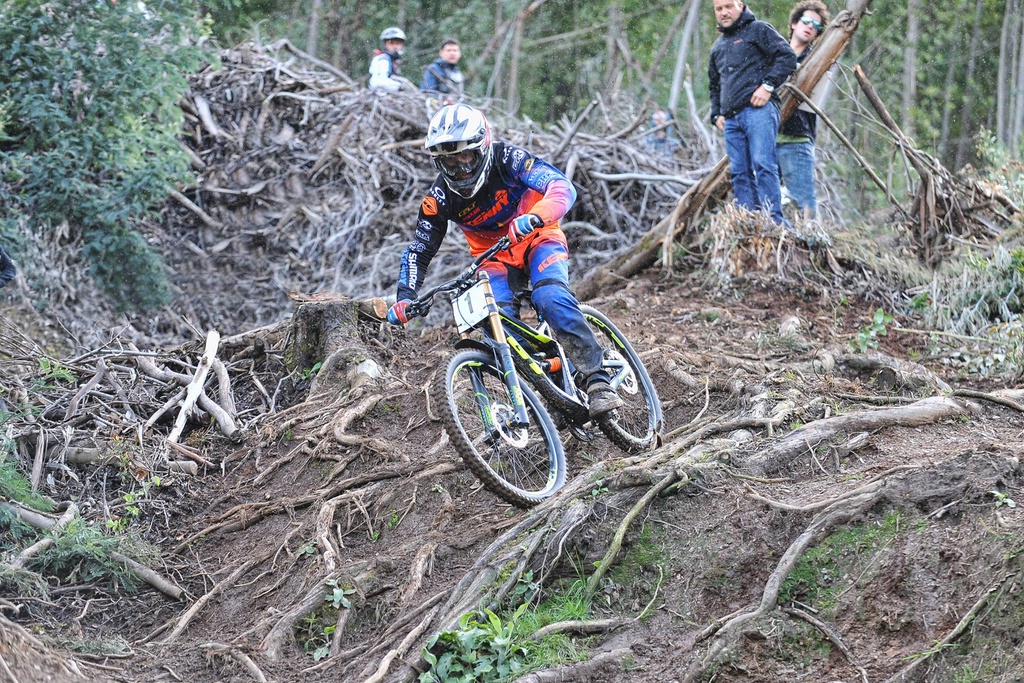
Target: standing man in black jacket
(748, 62)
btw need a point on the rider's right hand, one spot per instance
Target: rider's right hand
(396, 314)
(522, 226)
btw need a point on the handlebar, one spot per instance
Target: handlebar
(421, 305)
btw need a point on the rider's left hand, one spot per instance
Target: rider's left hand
(522, 226)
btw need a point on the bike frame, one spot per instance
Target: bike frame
(502, 345)
(507, 349)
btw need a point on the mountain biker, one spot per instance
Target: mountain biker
(490, 190)
(384, 71)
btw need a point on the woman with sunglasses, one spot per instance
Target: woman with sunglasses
(795, 148)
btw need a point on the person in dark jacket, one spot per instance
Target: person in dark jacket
(443, 75)
(7, 269)
(748, 62)
(795, 147)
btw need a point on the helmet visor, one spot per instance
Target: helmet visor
(459, 165)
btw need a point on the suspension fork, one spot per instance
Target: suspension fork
(503, 355)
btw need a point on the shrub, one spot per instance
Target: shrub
(89, 125)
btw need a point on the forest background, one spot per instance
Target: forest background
(948, 69)
(85, 162)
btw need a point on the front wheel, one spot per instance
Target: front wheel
(524, 464)
(636, 426)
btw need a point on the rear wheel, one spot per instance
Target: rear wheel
(522, 464)
(636, 426)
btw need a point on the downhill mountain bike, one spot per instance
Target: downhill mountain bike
(494, 384)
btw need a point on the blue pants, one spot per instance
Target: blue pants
(753, 165)
(547, 267)
(796, 162)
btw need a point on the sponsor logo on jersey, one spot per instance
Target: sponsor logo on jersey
(429, 207)
(500, 203)
(542, 178)
(517, 159)
(551, 260)
(528, 165)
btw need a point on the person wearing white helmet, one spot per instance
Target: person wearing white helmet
(490, 190)
(384, 67)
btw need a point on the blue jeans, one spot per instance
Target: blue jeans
(796, 162)
(753, 165)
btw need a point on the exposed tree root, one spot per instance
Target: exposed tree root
(909, 488)
(589, 670)
(182, 622)
(591, 626)
(806, 438)
(221, 650)
(831, 634)
(831, 517)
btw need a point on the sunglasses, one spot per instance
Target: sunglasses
(812, 22)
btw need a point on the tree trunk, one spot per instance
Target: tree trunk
(313, 28)
(910, 67)
(1006, 51)
(1017, 122)
(611, 48)
(684, 47)
(953, 46)
(966, 124)
(667, 41)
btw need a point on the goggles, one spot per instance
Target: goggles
(463, 162)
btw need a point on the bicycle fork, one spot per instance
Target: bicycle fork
(506, 367)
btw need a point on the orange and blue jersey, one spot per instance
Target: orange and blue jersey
(517, 183)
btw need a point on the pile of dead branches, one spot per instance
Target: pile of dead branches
(307, 180)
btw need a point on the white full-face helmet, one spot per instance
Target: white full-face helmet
(392, 33)
(459, 142)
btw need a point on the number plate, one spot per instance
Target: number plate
(471, 307)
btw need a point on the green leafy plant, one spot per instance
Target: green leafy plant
(482, 650)
(310, 373)
(81, 553)
(133, 509)
(52, 369)
(1003, 499)
(393, 520)
(867, 336)
(315, 635)
(338, 597)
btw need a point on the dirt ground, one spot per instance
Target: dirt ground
(904, 539)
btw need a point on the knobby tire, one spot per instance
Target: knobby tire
(523, 466)
(636, 426)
